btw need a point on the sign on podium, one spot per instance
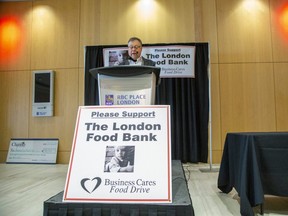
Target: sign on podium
(126, 85)
(120, 154)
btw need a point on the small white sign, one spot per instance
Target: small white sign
(120, 154)
(138, 90)
(32, 151)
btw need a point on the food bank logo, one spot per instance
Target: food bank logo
(90, 185)
(109, 99)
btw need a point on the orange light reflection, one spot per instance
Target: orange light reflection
(10, 38)
(283, 19)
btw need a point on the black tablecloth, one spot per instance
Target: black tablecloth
(254, 164)
(181, 203)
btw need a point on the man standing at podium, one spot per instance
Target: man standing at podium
(134, 52)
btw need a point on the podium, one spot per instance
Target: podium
(181, 205)
(159, 191)
(126, 85)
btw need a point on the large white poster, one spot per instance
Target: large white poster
(174, 61)
(120, 154)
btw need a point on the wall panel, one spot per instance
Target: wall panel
(244, 33)
(167, 21)
(89, 26)
(215, 113)
(14, 108)
(247, 97)
(281, 94)
(81, 87)
(206, 26)
(55, 34)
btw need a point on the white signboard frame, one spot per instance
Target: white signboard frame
(94, 174)
(36, 151)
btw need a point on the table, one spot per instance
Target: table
(181, 203)
(254, 163)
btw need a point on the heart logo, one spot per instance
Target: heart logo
(88, 183)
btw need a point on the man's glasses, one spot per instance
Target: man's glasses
(135, 47)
